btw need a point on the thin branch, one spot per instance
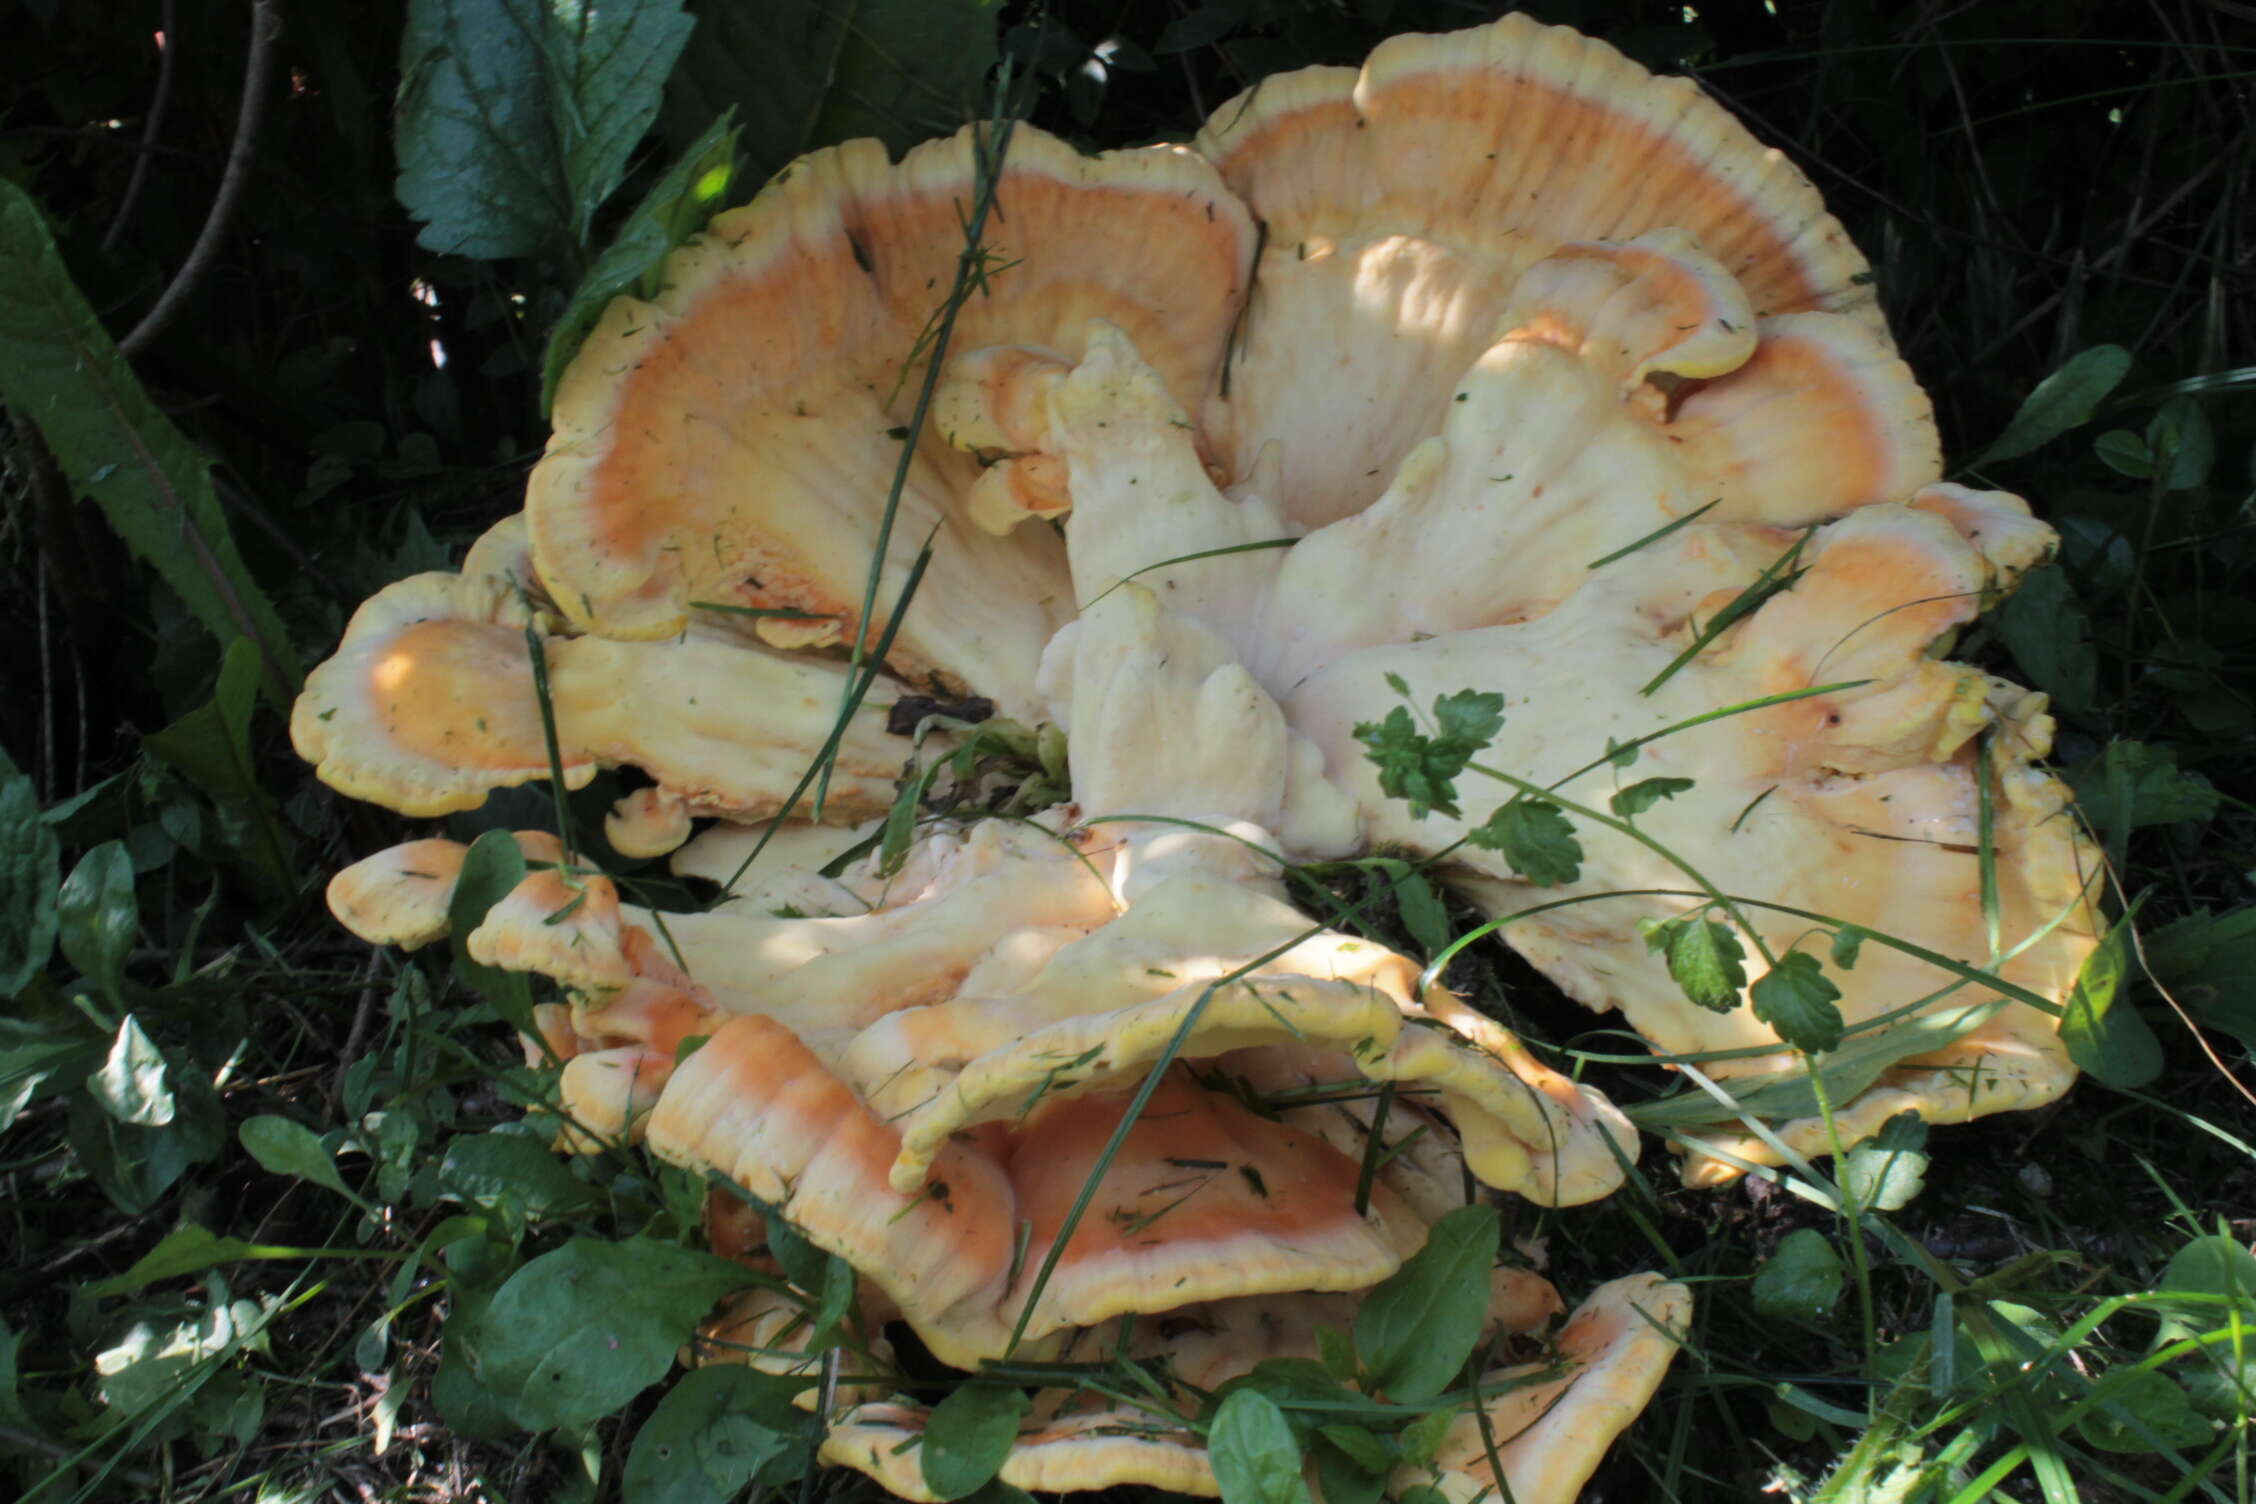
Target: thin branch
(266, 25)
(150, 129)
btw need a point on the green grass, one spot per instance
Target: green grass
(251, 1165)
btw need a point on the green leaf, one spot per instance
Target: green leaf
(580, 1331)
(2142, 1411)
(968, 1436)
(1704, 959)
(1536, 838)
(1642, 796)
(211, 745)
(1796, 998)
(808, 73)
(285, 1146)
(1848, 944)
(2208, 964)
(1888, 1169)
(1369, 1451)
(1342, 1477)
(2180, 437)
(1469, 718)
(59, 369)
(97, 917)
(1423, 913)
(2125, 453)
(2101, 1027)
(135, 1165)
(490, 869)
(2221, 1274)
(1802, 1280)
(131, 1085)
(715, 1429)
(483, 1168)
(1419, 1325)
(677, 207)
(2133, 785)
(1256, 1457)
(30, 871)
(2064, 400)
(2049, 635)
(1423, 769)
(515, 118)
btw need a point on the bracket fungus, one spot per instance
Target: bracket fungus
(1543, 396)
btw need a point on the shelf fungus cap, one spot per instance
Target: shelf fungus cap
(733, 442)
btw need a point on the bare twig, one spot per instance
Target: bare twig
(266, 25)
(150, 128)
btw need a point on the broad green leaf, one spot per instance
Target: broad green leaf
(1370, 1452)
(97, 917)
(463, 1399)
(1802, 1280)
(192, 1248)
(2142, 1410)
(715, 1429)
(515, 118)
(1423, 913)
(132, 1085)
(158, 1364)
(809, 73)
(490, 868)
(2046, 630)
(2180, 438)
(2208, 964)
(968, 1436)
(581, 1330)
(60, 371)
(1419, 1325)
(1422, 1439)
(1643, 795)
(1704, 959)
(2064, 400)
(2133, 785)
(1256, 1457)
(1469, 718)
(287, 1147)
(1342, 1476)
(1887, 1170)
(212, 746)
(2221, 1274)
(1797, 998)
(481, 1168)
(1536, 839)
(2101, 1026)
(2125, 453)
(135, 1165)
(1337, 1353)
(30, 871)
(692, 190)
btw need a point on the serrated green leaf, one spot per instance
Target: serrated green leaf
(2064, 400)
(1469, 718)
(712, 1433)
(515, 118)
(580, 1331)
(30, 872)
(1797, 998)
(1643, 795)
(132, 1085)
(59, 369)
(1536, 839)
(1419, 1325)
(285, 1146)
(2101, 1026)
(97, 917)
(968, 1436)
(1705, 960)
(1255, 1454)
(1801, 1281)
(677, 207)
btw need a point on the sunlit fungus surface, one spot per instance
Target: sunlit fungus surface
(1493, 461)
